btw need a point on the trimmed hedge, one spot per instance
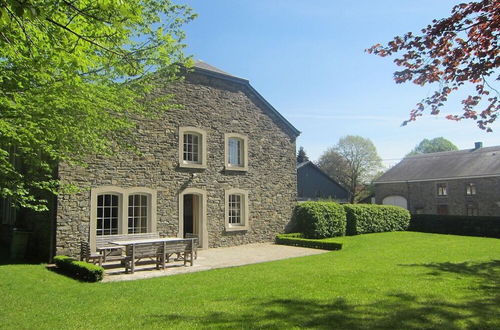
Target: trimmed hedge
(370, 218)
(296, 239)
(320, 219)
(79, 269)
(456, 225)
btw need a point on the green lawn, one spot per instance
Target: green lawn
(391, 280)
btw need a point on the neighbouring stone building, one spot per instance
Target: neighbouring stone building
(464, 182)
(222, 166)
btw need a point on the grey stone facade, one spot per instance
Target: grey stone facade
(422, 197)
(218, 106)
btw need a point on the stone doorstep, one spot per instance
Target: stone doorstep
(210, 259)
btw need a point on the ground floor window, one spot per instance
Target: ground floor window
(137, 214)
(115, 210)
(472, 210)
(107, 214)
(236, 209)
(442, 209)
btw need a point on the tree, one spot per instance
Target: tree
(454, 52)
(438, 144)
(301, 156)
(352, 161)
(72, 74)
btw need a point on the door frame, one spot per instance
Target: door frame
(202, 214)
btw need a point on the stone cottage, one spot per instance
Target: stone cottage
(464, 182)
(222, 166)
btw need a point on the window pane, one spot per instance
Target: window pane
(138, 214)
(234, 209)
(107, 214)
(191, 145)
(235, 151)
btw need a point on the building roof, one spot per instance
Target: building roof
(207, 69)
(469, 163)
(329, 178)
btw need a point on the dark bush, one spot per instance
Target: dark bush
(370, 218)
(456, 225)
(79, 269)
(320, 219)
(296, 239)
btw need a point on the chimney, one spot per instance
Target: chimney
(478, 145)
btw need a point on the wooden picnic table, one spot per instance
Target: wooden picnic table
(137, 249)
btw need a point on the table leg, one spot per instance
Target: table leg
(132, 264)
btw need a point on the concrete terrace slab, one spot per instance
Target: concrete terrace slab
(212, 259)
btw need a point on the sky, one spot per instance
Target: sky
(307, 59)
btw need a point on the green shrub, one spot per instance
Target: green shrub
(79, 269)
(370, 218)
(320, 219)
(456, 225)
(296, 239)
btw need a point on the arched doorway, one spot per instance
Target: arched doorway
(193, 214)
(396, 201)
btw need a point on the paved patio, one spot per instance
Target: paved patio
(212, 259)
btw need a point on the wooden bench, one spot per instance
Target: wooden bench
(136, 252)
(184, 248)
(87, 256)
(115, 252)
(196, 243)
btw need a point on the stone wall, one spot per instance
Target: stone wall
(422, 196)
(217, 106)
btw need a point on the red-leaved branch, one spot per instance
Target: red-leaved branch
(453, 51)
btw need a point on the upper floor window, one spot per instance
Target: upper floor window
(192, 147)
(236, 209)
(442, 189)
(107, 214)
(236, 152)
(470, 189)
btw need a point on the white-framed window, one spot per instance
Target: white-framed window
(108, 209)
(470, 189)
(236, 152)
(442, 189)
(116, 210)
(237, 210)
(138, 213)
(472, 210)
(192, 147)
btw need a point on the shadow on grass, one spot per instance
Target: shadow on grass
(395, 311)
(6, 260)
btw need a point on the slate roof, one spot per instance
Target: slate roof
(469, 163)
(309, 163)
(205, 66)
(207, 69)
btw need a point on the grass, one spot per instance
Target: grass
(392, 280)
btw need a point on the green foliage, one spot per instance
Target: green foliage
(296, 239)
(320, 219)
(72, 75)
(438, 144)
(456, 225)
(369, 218)
(302, 156)
(353, 162)
(79, 269)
